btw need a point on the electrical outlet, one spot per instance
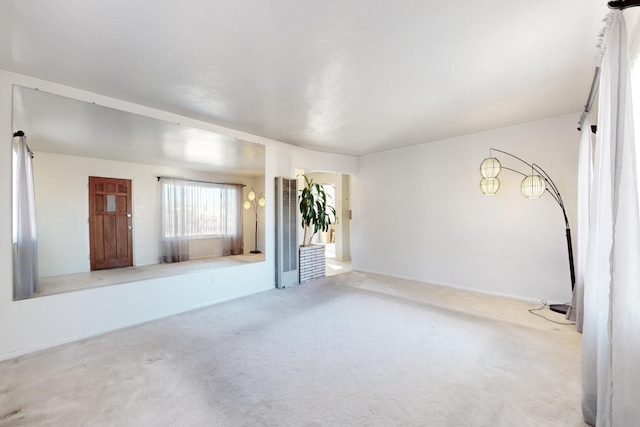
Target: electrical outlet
(388, 257)
(213, 279)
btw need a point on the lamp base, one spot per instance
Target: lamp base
(559, 308)
(255, 252)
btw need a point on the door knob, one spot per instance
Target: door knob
(129, 227)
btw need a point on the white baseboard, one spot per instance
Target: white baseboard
(452, 286)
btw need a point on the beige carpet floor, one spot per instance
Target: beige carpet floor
(350, 350)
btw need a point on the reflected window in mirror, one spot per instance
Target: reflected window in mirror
(191, 210)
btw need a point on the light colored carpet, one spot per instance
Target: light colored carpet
(350, 350)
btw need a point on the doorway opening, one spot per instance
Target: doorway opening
(337, 240)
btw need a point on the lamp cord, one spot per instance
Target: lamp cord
(544, 304)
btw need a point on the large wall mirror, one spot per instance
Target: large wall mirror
(92, 163)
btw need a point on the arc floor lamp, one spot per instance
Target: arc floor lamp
(533, 186)
(251, 202)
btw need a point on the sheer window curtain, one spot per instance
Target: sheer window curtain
(585, 174)
(194, 210)
(611, 327)
(174, 243)
(25, 248)
(232, 225)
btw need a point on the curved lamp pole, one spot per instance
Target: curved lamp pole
(533, 186)
(251, 202)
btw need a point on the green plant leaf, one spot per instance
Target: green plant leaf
(314, 211)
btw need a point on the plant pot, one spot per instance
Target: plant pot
(312, 263)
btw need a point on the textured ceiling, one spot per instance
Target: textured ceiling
(343, 76)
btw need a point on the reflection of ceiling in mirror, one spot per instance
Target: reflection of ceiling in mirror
(56, 124)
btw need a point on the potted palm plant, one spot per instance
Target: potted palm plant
(317, 214)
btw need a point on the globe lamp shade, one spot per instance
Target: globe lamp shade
(251, 195)
(533, 186)
(490, 168)
(489, 186)
(247, 204)
(261, 202)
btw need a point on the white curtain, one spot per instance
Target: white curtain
(231, 210)
(611, 328)
(199, 210)
(25, 249)
(174, 242)
(585, 172)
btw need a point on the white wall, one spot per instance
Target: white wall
(37, 323)
(419, 213)
(62, 206)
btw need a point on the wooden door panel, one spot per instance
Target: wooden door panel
(110, 223)
(97, 237)
(121, 236)
(99, 203)
(121, 204)
(109, 227)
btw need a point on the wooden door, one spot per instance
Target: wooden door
(110, 226)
